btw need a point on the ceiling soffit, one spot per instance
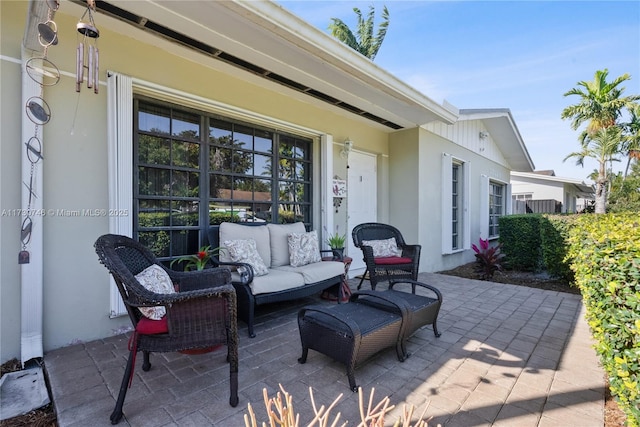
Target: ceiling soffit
(228, 32)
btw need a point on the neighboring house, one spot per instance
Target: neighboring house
(204, 110)
(540, 191)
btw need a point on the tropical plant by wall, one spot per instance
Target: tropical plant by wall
(605, 255)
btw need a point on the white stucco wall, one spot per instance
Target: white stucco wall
(76, 286)
(415, 205)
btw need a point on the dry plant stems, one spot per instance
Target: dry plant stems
(283, 414)
(323, 417)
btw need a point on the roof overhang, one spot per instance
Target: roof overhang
(584, 190)
(504, 132)
(264, 39)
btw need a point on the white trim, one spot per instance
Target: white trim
(120, 166)
(31, 274)
(326, 194)
(162, 93)
(484, 207)
(447, 200)
(466, 205)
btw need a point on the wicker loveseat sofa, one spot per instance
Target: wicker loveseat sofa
(283, 281)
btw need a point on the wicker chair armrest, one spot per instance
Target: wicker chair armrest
(349, 323)
(414, 284)
(221, 291)
(201, 279)
(367, 251)
(411, 251)
(246, 277)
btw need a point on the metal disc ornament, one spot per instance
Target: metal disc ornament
(38, 110)
(34, 150)
(48, 33)
(43, 71)
(88, 30)
(53, 5)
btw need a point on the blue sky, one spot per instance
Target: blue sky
(521, 55)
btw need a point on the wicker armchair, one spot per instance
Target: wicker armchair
(381, 269)
(200, 315)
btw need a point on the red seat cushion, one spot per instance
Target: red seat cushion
(390, 260)
(147, 326)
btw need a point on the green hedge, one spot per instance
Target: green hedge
(605, 255)
(554, 237)
(520, 239)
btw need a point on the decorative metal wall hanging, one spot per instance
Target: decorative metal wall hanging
(44, 72)
(87, 55)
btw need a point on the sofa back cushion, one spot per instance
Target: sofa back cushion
(279, 235)
(260, 234)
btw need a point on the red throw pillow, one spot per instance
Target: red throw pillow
(390, 260)
(147, 326)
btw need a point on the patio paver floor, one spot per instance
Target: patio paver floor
(508, 356)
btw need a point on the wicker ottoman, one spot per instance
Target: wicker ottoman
(423, 309)
(351, 333)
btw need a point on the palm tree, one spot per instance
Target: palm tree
(601, 103)
(363, 41)
(600, 106)
(633, 137)
(603, 145)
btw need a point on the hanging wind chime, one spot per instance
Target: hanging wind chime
(45, 73)
(87, 52)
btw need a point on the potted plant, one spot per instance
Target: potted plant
(336, 243)
(197, 261)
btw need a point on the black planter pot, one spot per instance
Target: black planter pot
(338, 254)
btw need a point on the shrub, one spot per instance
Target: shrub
(554, 238)
(605, 257)
(520, 239)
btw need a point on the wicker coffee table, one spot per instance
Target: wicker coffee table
(351, 333)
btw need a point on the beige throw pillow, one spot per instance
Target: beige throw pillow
(244, 250)
(383, 248)
(304, 248)
(156, 280)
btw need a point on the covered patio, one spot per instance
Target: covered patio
(508, 356)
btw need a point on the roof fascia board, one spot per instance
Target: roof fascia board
(320, 44)
(547, 178)
(409, 106)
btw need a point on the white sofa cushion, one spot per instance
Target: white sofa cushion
(279, 234)
(276, 280)
(314, 272)
(260, 233)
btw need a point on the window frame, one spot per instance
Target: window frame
(302, 155)
(463, 222)
(485, 214)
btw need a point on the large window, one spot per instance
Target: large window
(456, 220)
(194, 169)
(455, 204)
(496, 207)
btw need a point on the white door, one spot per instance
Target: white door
(362, 193)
